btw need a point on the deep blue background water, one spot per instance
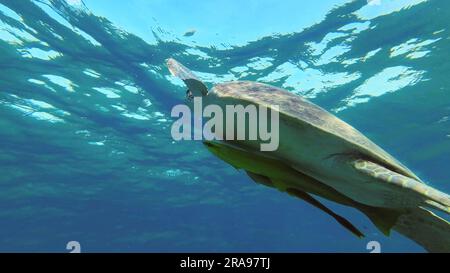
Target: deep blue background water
(85, 98)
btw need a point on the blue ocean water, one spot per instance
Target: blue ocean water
(85, 147)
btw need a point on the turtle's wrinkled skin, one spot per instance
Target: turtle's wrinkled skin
(322, 155)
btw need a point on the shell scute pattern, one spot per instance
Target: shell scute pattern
(299, 109)
(301, 112)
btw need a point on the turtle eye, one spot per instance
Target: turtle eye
(189, 95)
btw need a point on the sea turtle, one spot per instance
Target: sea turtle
(320, 154)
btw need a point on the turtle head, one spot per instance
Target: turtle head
(196, 88)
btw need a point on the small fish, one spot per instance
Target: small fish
(190, 33)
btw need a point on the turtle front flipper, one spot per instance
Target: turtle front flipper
(341, 220)
(196, 87)
(409, 192)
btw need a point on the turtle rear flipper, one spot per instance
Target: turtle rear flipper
(196, 87)
(383, 218)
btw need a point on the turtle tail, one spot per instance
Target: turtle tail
(425, 228)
